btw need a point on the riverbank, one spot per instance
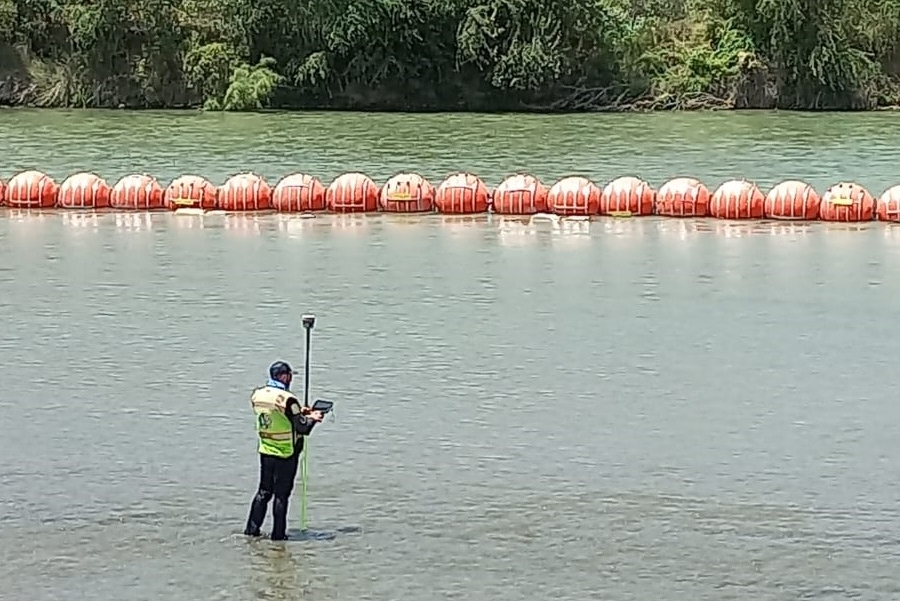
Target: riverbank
(456, 55)
(753, 90)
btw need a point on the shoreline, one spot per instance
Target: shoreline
(199, 110)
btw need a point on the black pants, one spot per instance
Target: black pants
(276, 478)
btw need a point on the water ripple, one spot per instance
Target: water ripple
(648, 409)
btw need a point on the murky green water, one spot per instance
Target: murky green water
(646, 409)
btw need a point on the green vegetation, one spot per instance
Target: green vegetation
(560, 55)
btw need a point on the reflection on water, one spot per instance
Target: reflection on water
(509, 228)
(278, 572)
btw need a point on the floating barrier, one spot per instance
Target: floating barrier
(462, 194)
(137, 193)
(792, 200)
(459, 194)
(520, 195)
(191, 192)
(574, 197)
(407, 193)
(847, 203)
(737, 199)
(352, 193)
(32, 190)
(83, 191)
(682, 197)
(627, 197)
(299, 193)
(245, 192)
(888, 207)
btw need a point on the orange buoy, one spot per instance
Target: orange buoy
(31, 190)
(2, 193)
(574, 196)
(352, 193)
(137, 193)
(627, 196)
(682, 197)
(461, 194)
(245, 192)
(298, 193)
(83, 191)
(407, 193)
(191, 192)
(737, 199)
(792, 200)
(847, 202)
(888, 206)
(519, 194)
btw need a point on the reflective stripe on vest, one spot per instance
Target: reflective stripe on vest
(273, 426)
(276, 435)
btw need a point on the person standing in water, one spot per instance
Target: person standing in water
(282, 422)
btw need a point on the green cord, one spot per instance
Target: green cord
(304, 482)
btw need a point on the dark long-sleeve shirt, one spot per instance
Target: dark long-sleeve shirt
(302, 424)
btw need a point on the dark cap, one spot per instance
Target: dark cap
(278, 369)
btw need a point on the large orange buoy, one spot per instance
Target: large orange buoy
(137, 193)
(461, 194)
(737, 199)
(682, 197)
(847, 202)
(792, 200)
(519, 194)
(245, 192)
(191, 192)
(83, 191)
(352, 193)
(407, 193)
(31, 190)
(888, 206)
(627, 196)
(298, 193)
(574, 196)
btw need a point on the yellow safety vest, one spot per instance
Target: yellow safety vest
(273, 426)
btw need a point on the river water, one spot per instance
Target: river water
(642, 409)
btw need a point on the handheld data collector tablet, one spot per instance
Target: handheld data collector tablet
(322, 405)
